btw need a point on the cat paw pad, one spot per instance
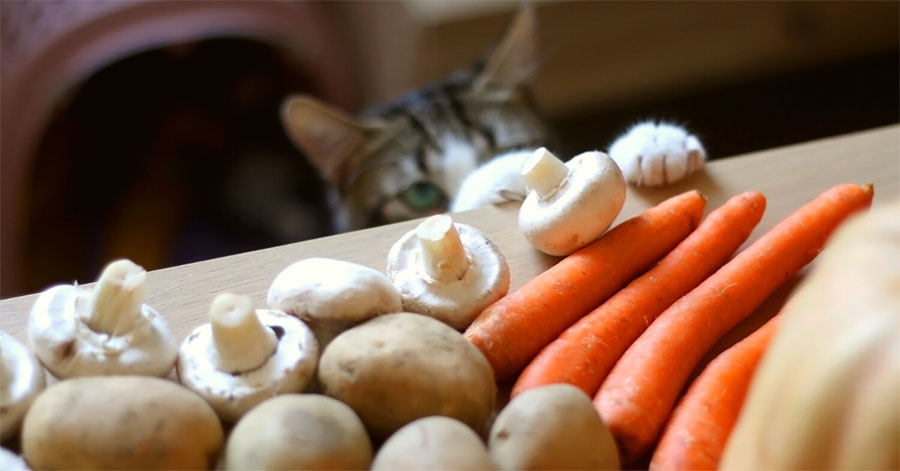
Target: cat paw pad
(653, 154)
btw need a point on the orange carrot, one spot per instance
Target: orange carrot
(512, 330)
(637, 396)
(585, 353)
(698, 429)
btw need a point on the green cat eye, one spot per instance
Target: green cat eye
(423, 196)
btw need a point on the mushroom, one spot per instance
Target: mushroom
(448, 271)
(571, 204)
(245, 356)
(21, 379)
(331, 296)
(107, 331)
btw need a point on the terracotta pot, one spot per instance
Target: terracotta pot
(49, 45)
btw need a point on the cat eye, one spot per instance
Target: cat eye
(423, 196)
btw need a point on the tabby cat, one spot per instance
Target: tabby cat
(458, 144)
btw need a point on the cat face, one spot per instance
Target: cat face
(406, 159)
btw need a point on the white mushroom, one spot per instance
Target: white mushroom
(572, 203)
(245, 356)
(448, 271)
(21, 379)
(331, 296)
(107, 331)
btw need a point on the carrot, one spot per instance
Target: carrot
(695, 436)
(513, 329)
(585, 352)
(637, 396)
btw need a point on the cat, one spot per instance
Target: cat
(458, 144)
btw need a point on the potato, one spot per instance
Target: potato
(397, 368)
(120, 422)
(299, 431)
(552, 427)
(433, 443)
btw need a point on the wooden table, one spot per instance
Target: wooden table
(788, 176)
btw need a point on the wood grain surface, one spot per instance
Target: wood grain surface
(789, 177)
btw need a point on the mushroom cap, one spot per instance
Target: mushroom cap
(289, 369)
(456, 302)
(68, 347)
(21, 381)
(577, 213)
(331, 295)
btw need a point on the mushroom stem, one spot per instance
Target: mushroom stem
(242, 342)
(115, 303)
(543, 172)
(443, 255)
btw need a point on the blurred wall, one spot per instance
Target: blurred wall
(742, 75)
(607, 53)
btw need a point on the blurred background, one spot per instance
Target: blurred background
(150, 129)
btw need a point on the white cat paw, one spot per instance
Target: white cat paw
(495, 182)
(654, 154)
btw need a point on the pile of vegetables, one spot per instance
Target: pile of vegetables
(351, 368)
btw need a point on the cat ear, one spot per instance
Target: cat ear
(328, 136)
(515, 58)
